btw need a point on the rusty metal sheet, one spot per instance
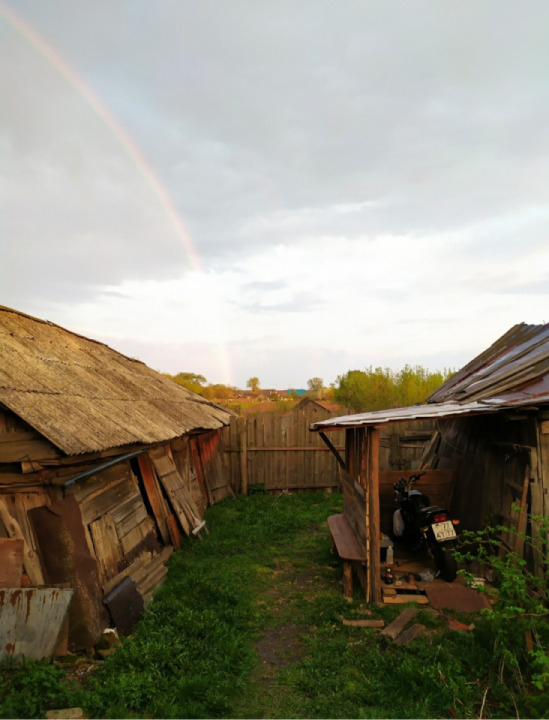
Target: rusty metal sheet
(125, 605)
(455, 596)
(520, 355)
(31, 620)
(66, 559)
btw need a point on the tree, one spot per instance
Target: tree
(191, 381)
(253, 384)
(219, 391)
(316, 386)
(382, 388)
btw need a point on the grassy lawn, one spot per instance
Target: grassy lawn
(248, 625)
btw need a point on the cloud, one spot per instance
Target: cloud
(369, 177)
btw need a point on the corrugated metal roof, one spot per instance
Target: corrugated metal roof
(414, 412)
(86, 397)
(513, 367)
(513, 372)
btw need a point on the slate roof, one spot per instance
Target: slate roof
(86, 397)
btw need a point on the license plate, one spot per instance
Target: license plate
(444, 531)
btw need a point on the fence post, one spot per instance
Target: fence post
(243, 457)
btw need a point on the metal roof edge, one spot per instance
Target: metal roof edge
(413, 412)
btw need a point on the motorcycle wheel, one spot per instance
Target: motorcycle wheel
(446, 564)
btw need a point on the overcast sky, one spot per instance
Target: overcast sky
(276, 189)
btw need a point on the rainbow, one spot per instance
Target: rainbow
(56, 60)
(131, 149)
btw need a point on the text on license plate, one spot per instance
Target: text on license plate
(444, 531)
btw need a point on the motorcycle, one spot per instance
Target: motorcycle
(425, 526)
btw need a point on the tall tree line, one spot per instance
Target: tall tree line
(382, 388)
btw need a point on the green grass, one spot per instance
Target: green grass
(248, 625)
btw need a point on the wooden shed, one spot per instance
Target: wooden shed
(105, 465)
(489, 451)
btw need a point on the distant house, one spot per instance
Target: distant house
(105, 465)
(330, 407)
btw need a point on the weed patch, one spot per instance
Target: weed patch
(249, 624)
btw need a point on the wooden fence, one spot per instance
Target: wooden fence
(278, 450)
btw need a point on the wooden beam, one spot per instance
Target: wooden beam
(363, 475)
(523, 517)
(244, 458)
(331, 447)
(375, 528)
(301, 448)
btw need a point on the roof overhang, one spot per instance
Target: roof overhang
(415, 412)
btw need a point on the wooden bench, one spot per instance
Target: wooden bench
(349, 550)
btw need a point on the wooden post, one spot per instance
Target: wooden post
(243, 458)
(523, 517)
(347, 579)
(373, 491)
(363, 479)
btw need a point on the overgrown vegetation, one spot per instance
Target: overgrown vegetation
(370, 389)
(381, 388)
(520, 600)
(248, 624)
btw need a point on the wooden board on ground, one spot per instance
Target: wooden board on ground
(364, 623)
(403, 599)
(409, 634)
(394, 628)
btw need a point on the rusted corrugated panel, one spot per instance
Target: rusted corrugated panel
(31, 620)
(520, 356)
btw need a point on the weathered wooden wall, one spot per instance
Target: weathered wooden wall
(502, 459)
(127, 513)
(492, 452)
(401, 445)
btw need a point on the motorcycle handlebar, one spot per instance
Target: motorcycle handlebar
(408, 484)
